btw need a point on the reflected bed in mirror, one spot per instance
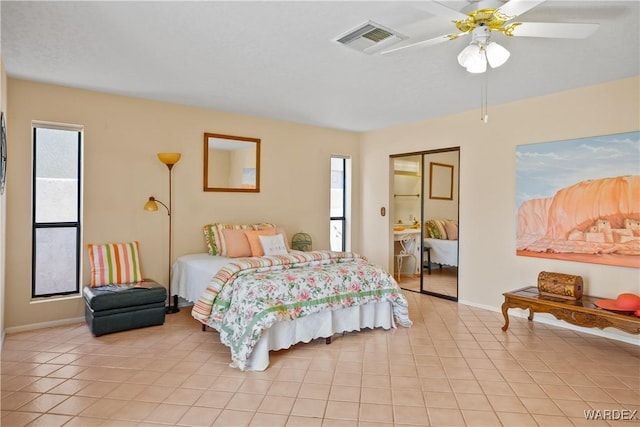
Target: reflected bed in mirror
(231, 163)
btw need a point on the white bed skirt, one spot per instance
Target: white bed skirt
(319, 325)
(443, 252)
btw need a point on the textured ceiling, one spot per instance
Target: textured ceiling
(279, 59)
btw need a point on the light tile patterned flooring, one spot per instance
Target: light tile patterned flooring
(454, 367)
(443, 281)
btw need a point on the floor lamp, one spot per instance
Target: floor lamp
(168, 159)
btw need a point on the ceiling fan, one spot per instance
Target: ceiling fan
(490, 16)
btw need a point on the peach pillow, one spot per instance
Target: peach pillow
(254, 240)
(237, 243)
(452, 230)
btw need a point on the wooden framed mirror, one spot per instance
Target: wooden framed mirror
(231, 163)
(440, 181)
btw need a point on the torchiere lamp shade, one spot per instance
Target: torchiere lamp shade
(169, 159)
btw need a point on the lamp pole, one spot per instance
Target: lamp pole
(170, 159)
(171, 309)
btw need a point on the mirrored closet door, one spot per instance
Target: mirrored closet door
(425, 221)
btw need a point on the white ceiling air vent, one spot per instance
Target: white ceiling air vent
(370, 38)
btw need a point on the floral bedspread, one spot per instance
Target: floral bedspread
(249, 295)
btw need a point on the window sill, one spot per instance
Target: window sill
(40, 300)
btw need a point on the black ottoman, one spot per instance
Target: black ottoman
(114, 308)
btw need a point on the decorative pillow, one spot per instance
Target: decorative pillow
(209, 238)
(262, 225)
(215, 239)
(273, 245)
(435, 229)
(114, 263)
(236, 243)
(254, 241)
(280, 230)
(451, 228)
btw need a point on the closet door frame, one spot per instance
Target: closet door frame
(424, 168)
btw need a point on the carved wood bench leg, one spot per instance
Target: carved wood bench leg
(328, 340)
(505, 309)
(204, 327)
(530, 314)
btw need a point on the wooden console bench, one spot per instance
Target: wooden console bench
(582, 312)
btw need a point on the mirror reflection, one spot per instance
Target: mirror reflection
(440, 224)
(425, 223)
(231, 163)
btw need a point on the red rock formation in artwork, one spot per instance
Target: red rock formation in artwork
(533, 217)
(595, 216)
(579, 206)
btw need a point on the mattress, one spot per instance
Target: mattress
(192, 274)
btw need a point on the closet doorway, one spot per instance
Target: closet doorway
(424, 216)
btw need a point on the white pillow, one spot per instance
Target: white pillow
(273, 245)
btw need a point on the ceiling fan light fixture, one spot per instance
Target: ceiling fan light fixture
(473, 58)
(496, 54)
(480, 51)
(468, 55)
(478, 64)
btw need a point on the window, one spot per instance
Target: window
(56, 209)
(338, 214)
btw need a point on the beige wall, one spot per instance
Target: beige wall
(121, 138)
(488, 264)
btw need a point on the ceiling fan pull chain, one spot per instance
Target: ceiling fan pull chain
(484, 114)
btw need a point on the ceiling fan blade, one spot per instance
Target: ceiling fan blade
(438, 9)
(513, 8)
(554, 30)
(424, 43)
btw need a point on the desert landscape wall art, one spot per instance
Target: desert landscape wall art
(579, 200)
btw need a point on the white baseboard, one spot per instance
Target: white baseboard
(484, 307)
(548, 319)
(34, 326)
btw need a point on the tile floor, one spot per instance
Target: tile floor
(454, 367)
(443, 281)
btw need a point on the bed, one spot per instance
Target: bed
(271, 302)
(442, 242)
(443, 252)
(192, 274)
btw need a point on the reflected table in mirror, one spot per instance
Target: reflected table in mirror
(582, 312)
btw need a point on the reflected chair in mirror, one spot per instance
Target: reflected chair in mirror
(407, 247)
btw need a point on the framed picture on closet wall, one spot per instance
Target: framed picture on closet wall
(440, 181)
